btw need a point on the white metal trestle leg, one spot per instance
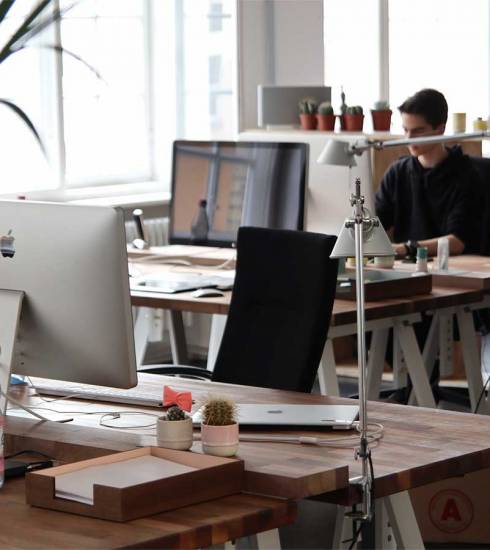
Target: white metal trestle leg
(142, 327)
(376, 361)
(178, 343)
(403, 521)
(415, 365)
(471, 358)
(327, 376)
(218, 323)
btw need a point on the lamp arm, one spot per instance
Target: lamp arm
(379, 144)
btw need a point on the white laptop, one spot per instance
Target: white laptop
(298, 416)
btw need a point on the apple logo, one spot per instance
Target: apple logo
(7, 247)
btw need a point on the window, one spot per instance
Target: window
(449, 51)
(208, 70)
(167, 70)
(351, 52)
(106, 120)
(389, 49)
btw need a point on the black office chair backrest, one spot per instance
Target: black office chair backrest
(482, 166)
(280, 309)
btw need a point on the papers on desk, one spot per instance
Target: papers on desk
(79, 485)
(172, 282)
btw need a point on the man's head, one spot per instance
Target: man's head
(424, 114)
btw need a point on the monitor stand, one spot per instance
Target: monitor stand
(10, 309)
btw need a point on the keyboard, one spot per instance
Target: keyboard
(133, 396)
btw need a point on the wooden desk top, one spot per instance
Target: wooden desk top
(197, 526)
(344, 311)
(419, 446)
(465, 271)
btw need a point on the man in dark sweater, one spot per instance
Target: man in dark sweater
(433, 192)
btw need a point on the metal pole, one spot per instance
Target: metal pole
(363, 450)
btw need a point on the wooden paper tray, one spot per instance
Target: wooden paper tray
(214, 477)
(382, 284)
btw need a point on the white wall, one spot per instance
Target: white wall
(279, 42)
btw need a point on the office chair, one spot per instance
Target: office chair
(279, 312)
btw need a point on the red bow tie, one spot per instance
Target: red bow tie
(182, 399)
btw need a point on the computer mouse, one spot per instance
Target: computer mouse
(207, 293)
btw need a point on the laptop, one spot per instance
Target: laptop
(340, 417)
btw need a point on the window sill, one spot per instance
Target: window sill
(126, 195)
(127, 201)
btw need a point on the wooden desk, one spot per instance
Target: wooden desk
(398, 314)
(419, 446)
(197, 526)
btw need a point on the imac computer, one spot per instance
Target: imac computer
(65, 309)
(218, 186)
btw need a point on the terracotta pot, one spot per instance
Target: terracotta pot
(174, 434)
(308, 122)
(381, 120)
(219, 440)
(326, 123)
(354, 123)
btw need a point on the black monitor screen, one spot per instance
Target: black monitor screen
(217, 186)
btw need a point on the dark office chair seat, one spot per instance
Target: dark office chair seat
(482, 166)
(279, 312)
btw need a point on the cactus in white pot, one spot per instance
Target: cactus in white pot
(219, 427)
(174, 429)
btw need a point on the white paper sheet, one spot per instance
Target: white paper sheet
(79, 485)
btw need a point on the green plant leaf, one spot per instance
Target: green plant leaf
(62, 50)
(24, 28)
(31, 28)
(5, 6)
(20, 113)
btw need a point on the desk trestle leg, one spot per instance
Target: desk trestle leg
(268, 540)
(403, 521)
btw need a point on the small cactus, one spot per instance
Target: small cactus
(175, 413)
(354, 110)
(218, 411)
(381, 105)
(343, 105)
(308, 106)
(325, 108)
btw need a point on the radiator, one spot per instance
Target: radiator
(157, 229)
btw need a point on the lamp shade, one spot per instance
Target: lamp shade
(338, 153)
(374, 237)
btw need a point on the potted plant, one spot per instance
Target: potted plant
(325, 117)
(41, 15)
(307, 111)
(354, 119)
(219, 427)
(174, 429)
(381, 114)
(343, 109)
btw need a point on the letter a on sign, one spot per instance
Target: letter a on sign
(450, 511)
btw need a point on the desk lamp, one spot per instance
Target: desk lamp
(362, 235)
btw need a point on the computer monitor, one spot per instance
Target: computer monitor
(75, 320)
(218, 186)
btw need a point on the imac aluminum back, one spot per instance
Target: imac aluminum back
(71, 263)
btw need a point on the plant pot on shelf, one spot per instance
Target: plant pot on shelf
(174, 434)
(219, 440)
(308, 121)
(341, 121)
(353, 123)
(326, 123)
(381, 120)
